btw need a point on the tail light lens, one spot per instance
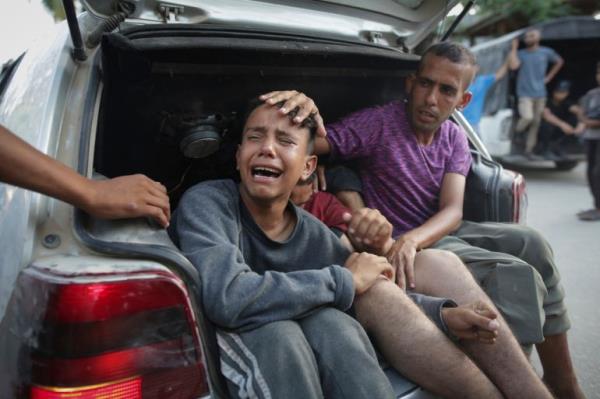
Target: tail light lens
(519, 198)
(118, 336)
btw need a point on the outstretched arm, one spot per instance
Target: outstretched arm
(122, 197)
(556, 121)
(513, 59)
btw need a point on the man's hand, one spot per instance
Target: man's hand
(127, 197)
(366, 269)
(368, 229)
(402, 257)
(295, 99)
(476, 322)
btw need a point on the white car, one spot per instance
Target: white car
(98, 308)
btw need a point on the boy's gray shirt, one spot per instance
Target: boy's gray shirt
(248, 279)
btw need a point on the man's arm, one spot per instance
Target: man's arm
(121, 197)
(554, 70)
(556, 121)
(447, 219)
(513, 58)
(501, 72)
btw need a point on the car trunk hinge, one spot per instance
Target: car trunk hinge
(170, 12)
(78, 51)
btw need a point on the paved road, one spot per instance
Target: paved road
(554, 198)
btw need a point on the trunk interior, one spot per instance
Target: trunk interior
(154, 85)
(157, 83)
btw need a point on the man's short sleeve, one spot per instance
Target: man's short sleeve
(460, 160)
(552, 55)
(356, 135)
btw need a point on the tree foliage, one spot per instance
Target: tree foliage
(55, 7)
(534, 10)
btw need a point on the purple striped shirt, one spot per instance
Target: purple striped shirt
(400, 177)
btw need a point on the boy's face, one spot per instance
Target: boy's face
(438, 87)
(272, 156)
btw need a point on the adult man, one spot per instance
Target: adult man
(589, 114)
(417, 180)
(273, 285)
(559, 122)
(121, 197)
(532, 63)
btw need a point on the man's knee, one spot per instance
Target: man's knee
(434, 267)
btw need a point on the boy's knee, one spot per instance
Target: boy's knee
(325, 323)
(285, 341)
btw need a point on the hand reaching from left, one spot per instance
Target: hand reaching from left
(127, 197)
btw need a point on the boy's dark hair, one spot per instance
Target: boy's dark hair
(454, 52)
(310, 123)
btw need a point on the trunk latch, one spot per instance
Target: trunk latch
(170, 12)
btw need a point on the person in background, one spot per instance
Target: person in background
(532, 78)
(479, 89)
(590, 116)
(122, 197)
(559, 120)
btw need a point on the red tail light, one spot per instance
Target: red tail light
(118, 336)
(131, 389)
(519, 198)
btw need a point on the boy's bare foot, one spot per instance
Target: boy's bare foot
(475, 321)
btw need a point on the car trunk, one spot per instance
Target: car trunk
(155, 81)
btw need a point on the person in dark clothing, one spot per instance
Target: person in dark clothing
(559, 122)
(590, 117)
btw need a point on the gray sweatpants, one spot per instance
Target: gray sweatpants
(515, 267)
(326, 354)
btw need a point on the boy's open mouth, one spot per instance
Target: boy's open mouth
(263, 171)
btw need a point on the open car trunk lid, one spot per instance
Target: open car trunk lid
(393, 23)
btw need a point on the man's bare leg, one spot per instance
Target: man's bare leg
(559, 373)
(441, 273)
(414, 346)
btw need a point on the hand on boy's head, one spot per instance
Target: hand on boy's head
(475, 321)
(295, 99)
(369, 229)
